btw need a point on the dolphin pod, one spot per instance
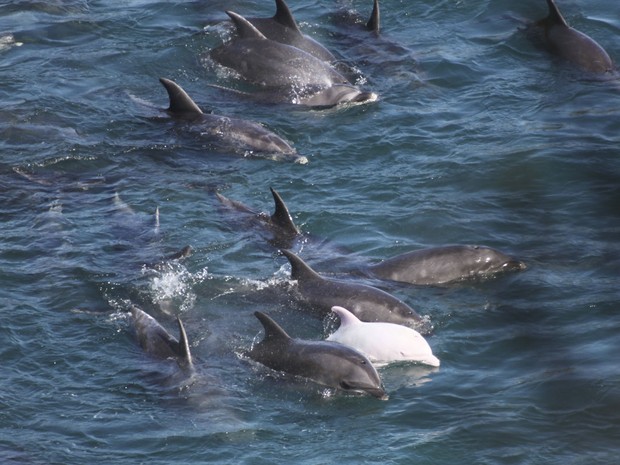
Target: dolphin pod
(291, 74)
(274, 55)
(156, 341)
(572, 45)
(325, 362)
(233, 132)
(366, 302)
(382, 342)
(442, 265)
(430, 266)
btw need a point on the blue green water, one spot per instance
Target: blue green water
(478, 137)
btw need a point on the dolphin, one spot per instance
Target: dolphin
(382, 342)
(283, 28)
(572, 45)
(327, 363)
(366, 302)
(279, 224)
(156, 341)
(231, 132)
(286, 72)
(441, 265)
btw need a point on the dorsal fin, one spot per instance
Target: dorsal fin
(180, 102)
(346, 317)
(245, 29)
(273, 331)
(555, 17)
(234, 204)
(156, 227)
(284, 16)
(184, 352)
(180, 254)
(373, 23)
(281, 215)
(300, 271)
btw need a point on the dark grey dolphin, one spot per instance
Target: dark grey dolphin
(158, 342)
(366, 302)
(231, 132)
(327, 363)
(280, 224)
(440, 265)
(292, 75)
(573, 45)
(283, 28)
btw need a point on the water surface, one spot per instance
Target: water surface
(478, 136)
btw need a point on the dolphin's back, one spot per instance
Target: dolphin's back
(573, 45)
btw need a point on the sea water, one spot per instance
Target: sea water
(479, 136)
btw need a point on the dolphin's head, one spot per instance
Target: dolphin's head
(349, 370)
(336, 95)
(491, 261)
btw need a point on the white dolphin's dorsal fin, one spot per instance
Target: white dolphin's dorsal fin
(281, 215)
(300, 271)
(245, 29)
(555, 16)
(273, 331)
(284, 16)
(346, 317)
(184, 352)
(180, 102)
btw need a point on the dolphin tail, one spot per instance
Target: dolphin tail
(373, 23)
(284, 16)
(281, 215)
(300, 271)
(245, 29)
(273, 331)
(180, 102)
(183, 351)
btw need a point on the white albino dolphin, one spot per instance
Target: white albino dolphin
(382, 342)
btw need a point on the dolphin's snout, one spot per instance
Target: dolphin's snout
(364, 97)
(379, 393)
(515, 265)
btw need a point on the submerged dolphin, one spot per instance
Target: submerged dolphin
(327, 363)
(156, 341)
(573, 45)
(279, 224)
(283, 28)
(232, 132)
(440, 265)
(366, 302)
(292, 75)
(382, 342)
